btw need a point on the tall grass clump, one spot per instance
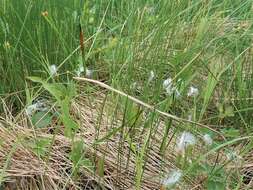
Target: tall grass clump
(126, 94)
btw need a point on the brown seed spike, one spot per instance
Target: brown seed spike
(81, 39)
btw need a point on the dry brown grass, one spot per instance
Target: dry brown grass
(25, 165)
(23, 169)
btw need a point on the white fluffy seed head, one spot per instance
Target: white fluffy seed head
(168, 86)
(184, 140)
(172, 178)
(31, 109)
(167, 83)
(208, 139)
(38, 106)
(88, 73)
(177, 93)
(151, 76)
(193, 92)
(80, 70)
(53, 70)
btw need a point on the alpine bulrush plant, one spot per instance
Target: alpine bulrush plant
(193, 92)
(79, 70)
(151, 76)
(170, 88)
(89, 73)
(185, 140)
(52, 70)
(207, 139)
(37, 106)
(172, 178)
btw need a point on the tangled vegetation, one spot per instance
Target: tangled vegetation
(114, 94)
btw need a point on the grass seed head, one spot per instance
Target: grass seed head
(53, 70)
(184, 140)
(172, 178)
(193, 92)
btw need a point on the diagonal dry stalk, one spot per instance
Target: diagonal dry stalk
(152, 108)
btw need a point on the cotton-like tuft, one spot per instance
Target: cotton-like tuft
(52, 70)
(184, 140)
(172, 178)
(193, 92)
(151, 76)
(207, 139)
